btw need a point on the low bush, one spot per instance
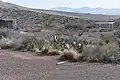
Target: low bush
(103, 53)
(6, 43)
(54, 52)
(49, 52)
(31, 44)
(107, 52)
(4, 34)
(71, 55)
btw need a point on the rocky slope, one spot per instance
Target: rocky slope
(27, 17)
(61, 13)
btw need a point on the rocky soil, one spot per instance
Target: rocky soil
(27, 66)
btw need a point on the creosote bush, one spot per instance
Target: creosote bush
(102, 53)
(50, 52)
(31, 44)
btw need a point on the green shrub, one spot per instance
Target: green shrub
(101, 53)
(31, 44)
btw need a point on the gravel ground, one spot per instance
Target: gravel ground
(26, 66)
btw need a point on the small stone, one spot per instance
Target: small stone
(58, 63)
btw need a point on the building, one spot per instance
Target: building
(104, 25)
(8, 23)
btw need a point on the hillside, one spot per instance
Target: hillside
(31, 18)
(61, 13)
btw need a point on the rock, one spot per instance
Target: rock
(63, 62)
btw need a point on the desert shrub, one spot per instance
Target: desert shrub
(6, 43)
(71, 55)
(91, 53)
(53, 52)
(103, 53)
(49, 52)
(44, 52)
(73, 26)
(118, 41)
(31, 44)
(4, 34)
(60, 43)
(55, 45)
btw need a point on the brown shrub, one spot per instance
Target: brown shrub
(71, 55)
(54, 52)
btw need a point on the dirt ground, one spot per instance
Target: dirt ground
(27, 66)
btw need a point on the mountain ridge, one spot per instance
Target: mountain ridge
(99, 10)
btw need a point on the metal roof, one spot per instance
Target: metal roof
(104, 22)
(7, 19)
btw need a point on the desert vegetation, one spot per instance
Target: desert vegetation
(103, 51)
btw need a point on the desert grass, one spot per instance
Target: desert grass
(54, 52)
(33, 44)
(71, 55)
(100, 53)
(6, 43)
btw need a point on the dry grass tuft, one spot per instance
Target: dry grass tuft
(54, 52)
(71, 55)
(33, 44)
(49, 52)
(6, 43)
(101, 53)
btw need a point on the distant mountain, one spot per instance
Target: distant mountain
(90, 10)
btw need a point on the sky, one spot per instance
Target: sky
(47, 4)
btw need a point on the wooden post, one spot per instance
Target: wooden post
(112, 26)
(108, 27)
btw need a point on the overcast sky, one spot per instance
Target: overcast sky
(47, 4)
